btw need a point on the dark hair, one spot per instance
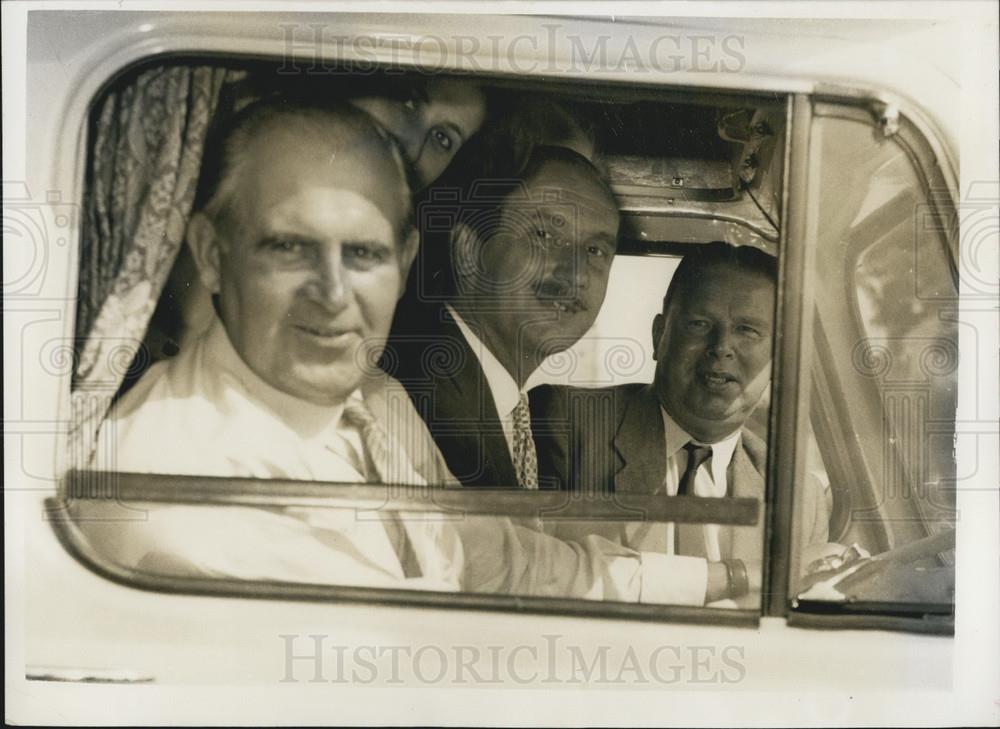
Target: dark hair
(515, 127)
(510, 142)
(226, 149)
(483, 214)
(719, 253)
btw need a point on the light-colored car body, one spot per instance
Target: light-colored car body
(80, 629)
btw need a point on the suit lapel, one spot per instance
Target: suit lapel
(640, 444)
(464, 398)
(744, 481)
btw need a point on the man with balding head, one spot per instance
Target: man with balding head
(303, 236)
(305, 245)
(529, 270)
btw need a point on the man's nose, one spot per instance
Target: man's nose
(721, 343)
(571, 267)
(330, 284)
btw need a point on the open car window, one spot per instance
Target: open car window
(239, 511)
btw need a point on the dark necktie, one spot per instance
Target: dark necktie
(697, 455)
(689, 539)
(357, 415)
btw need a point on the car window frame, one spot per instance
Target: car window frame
(936, 175)
(125, 490)
(793, 322)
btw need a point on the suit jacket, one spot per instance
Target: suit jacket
(611, 440)
(429, 355)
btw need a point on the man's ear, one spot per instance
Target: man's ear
(204, 245)
(658, 324)
(407, 252)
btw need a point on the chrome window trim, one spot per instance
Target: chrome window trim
(793, 324)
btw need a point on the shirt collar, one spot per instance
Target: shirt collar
(227, 367)
(722, 450)
(506, 393)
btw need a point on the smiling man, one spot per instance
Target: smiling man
(712, 341)
(303, 235)
(683, 434)
(305, 248)
(529, 270)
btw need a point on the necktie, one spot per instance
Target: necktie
(385, 465)
(525, 458)
(357, 415)
(697, 455)
(689, 539)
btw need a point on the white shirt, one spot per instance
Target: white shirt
(232, 423)
(710, 482)
(709, 479)
(206, 413)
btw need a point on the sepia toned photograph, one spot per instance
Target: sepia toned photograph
(501, 365)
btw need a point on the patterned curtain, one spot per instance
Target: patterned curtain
(147, 141)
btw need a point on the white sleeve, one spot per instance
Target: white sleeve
(502, 556)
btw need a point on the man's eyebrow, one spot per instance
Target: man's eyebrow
(757, 321)
(276, 235)
(373, 242)
(609, 240)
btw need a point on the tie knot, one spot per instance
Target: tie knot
(388, 459)
(697, 454)
(357, 415)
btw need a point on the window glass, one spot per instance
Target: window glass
(884, 372)
(914, 315)
(268, 392)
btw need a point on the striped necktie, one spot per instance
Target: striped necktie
(379, 470)
(525, 457)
